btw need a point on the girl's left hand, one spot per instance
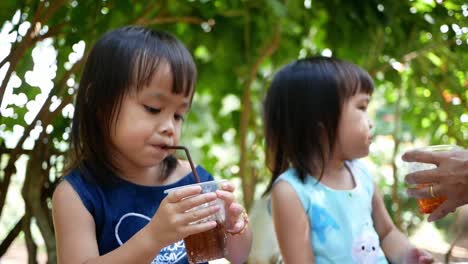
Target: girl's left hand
(418, 256)
(236, 217)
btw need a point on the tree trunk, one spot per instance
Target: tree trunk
(247, 178)
(30, 244)
(33, 188)
(396, 137)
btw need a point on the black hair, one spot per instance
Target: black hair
(122, 59)
(302, 109)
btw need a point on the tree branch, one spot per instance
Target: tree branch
(53, 31)
(412, 55)
(247, 106)
(170, 20)
(28, 40)
(148, 10)
(14, 232)
(4, 61)
(56, 4)
(42, 115)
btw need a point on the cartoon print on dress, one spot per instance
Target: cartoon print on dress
(168, 255)
(322, 221)
(366, 248)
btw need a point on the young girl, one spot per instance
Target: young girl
(135, 90)
(325, 206)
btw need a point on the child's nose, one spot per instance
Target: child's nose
(371, 124)
(167, 126)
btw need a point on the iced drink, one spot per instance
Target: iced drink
(428, 205)
(211, 244)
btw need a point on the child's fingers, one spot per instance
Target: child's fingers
(179, 194)
(195, 201)
(198, 228)
(425, 260)
(226, 196)
(238, 219)
(228, 186)
(236, 209)
(235, 220)
(199, 214)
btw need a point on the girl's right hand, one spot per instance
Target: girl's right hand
(171, 223)
(418, 256)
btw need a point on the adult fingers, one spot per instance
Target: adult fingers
(437, 175)
(425, 176)
(179, 194)
(195, 201)
(425, 192)
(421, 156)
(442, 210)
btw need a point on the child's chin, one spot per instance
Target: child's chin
(361, 155)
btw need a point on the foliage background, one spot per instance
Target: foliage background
(416, 51)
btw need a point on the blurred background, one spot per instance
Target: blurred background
(415, 50)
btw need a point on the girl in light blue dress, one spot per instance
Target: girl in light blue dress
(325, 206)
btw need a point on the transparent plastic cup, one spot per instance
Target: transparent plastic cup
(211, 244)
(428, 205)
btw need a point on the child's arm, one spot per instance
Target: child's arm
(396, 246)
(239, 245)
(291, 225)
(76, 237)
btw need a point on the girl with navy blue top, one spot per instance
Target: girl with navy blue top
(135, 90)
(325, 206)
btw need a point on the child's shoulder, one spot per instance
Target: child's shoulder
(63, 190)
(290, 176)
(70, 189)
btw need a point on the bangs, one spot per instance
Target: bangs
(146, 62)
(354, 80)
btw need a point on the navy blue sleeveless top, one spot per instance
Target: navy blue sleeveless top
(120, 210)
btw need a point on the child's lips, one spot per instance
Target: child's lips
(160, 146)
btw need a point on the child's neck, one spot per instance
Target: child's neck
(337, 175)
(151, 176)
(142, 176)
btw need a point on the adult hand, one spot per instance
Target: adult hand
(449, 179)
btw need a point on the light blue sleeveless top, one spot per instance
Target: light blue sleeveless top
(342, 229)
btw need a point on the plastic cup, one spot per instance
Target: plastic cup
(211, 244)
(428, 205)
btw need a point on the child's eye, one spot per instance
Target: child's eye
(179, 117)
(363, 107)
(152, 110)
